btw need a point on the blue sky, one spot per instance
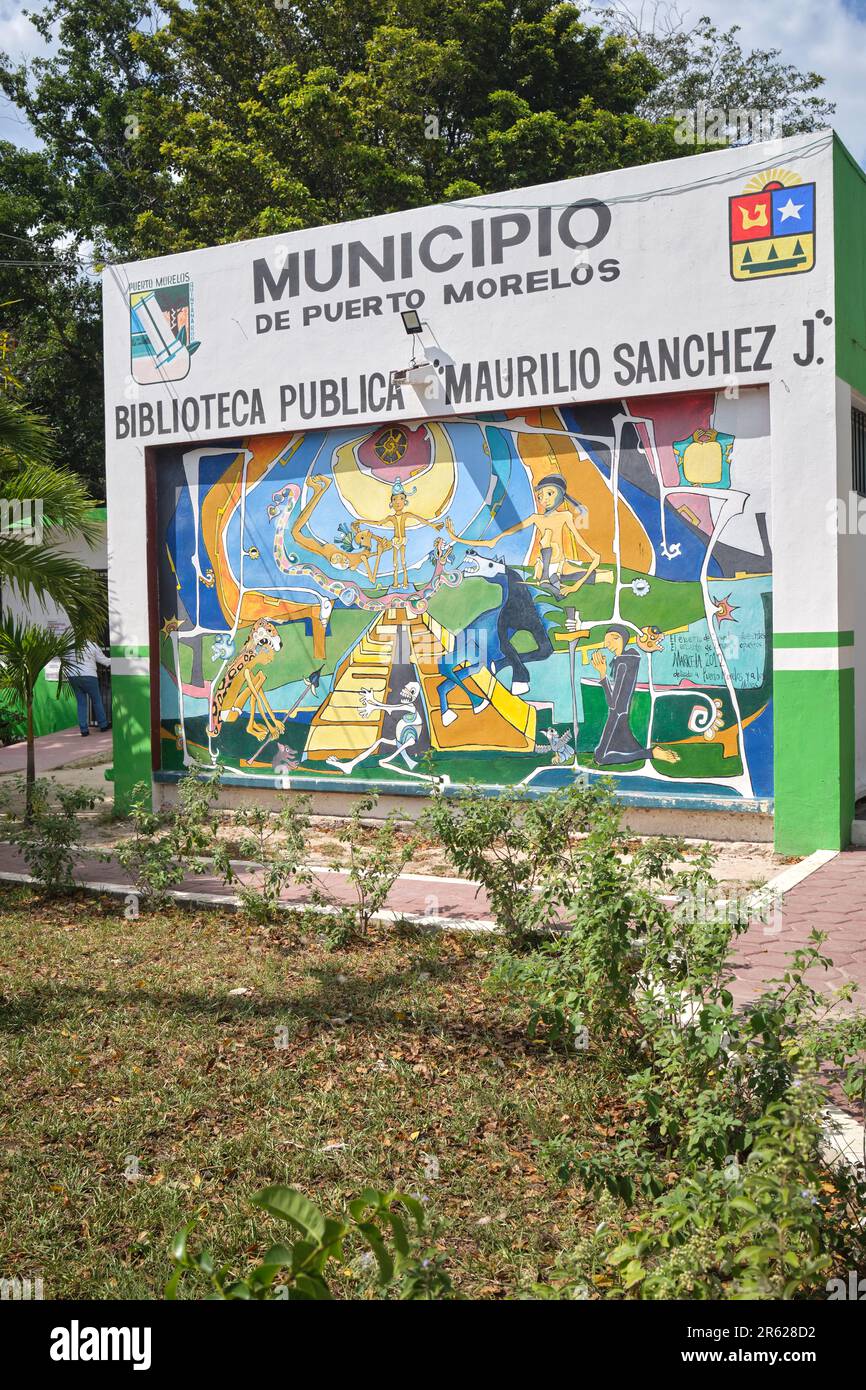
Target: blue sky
(824, 36)
(828, 37)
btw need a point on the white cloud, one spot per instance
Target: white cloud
(828, 38)
(17, 34)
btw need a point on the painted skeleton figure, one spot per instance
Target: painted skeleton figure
(406, 733)
(243, 684)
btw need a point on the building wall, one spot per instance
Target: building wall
(55, 709)
(585, 330)
(850, 217)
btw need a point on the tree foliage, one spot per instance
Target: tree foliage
(35, 565)
(221, 119)
(195, 122)
(50, 311)
(701, 63)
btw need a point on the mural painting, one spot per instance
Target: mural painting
(514, 597)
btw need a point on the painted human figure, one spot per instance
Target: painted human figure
(356, 538)
(406, 733)
(617, 743)
(557, 538)
(398, 522)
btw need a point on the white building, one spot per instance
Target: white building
(598, 516)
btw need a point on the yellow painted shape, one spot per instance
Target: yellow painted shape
(344, 738)
(359, 677)
(784, 247)
(369, 498)
(558, 453)
(516, 710)
(507, 724)
(702, 462)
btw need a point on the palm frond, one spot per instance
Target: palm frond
(24, 437)
(25, 651)
(44, 572)
(65, 501)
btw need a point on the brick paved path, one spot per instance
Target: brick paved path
(833, 900)
(453, 899)
(56, 750)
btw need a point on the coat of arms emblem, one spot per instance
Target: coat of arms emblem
(772, 226)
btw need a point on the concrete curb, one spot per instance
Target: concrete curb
(788, 878)
(233, 902)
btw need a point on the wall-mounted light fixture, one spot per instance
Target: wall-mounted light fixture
(411, 320)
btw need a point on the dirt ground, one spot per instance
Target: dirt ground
(739, 864)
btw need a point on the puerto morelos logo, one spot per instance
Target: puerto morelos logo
(772, 226)
(161, 330)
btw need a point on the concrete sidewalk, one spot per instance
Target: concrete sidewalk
(58, 750)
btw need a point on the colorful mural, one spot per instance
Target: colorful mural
(515, 597)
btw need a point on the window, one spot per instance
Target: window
(858, 450)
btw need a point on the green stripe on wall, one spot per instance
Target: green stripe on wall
(130, 651)
(51, 712)
(849, 218)
(814, 759)
(130, 703)
(813, 639)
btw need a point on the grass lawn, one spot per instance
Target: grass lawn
(123, 1042)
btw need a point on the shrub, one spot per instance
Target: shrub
(298, 1271)
(717, 1168)
(598, 896)
(711, 1165)
(164, 847)
(48, 841)
(11, 719)
(372, 872)
(523, 851)
(774, 1224)
(274, 844)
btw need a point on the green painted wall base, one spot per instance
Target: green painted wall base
(50, 713)
(814, 759)
(130, 699)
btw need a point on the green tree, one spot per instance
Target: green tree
(702, 63)
(194, 122)
(50, 311)
(211, 120)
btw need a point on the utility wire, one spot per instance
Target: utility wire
(668, 190)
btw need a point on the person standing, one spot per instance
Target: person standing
(83, 679)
